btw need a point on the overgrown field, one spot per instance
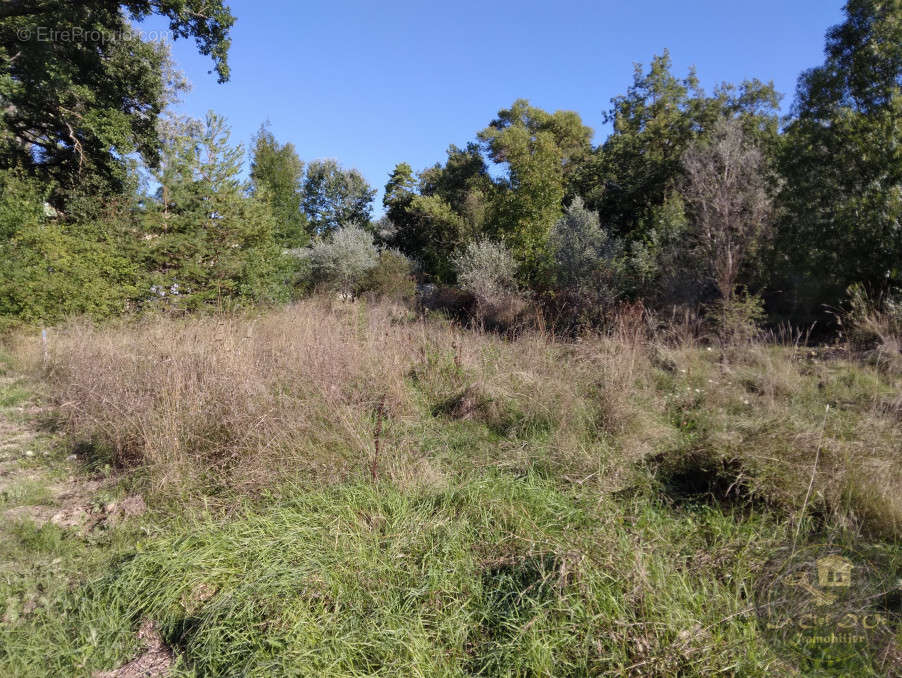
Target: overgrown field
(351, 489)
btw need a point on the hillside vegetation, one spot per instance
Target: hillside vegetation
(567, 405)
(354, 489)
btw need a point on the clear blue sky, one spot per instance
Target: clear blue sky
(376, 83)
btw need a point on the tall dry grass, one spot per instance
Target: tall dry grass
(250, 398)
(321, 392)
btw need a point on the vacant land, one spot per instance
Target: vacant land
(352, 489)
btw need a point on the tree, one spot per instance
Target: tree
(726, 189)
(582, 249)
(640, 163)
(207, 239)
(81, 91)
(436, 214)
(400, 189)
(537, 148)
(842, 161)
(335, 197)
(277, 175)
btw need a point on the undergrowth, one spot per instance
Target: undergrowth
(354, 490)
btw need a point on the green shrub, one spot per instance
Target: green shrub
(486, 270)
(49, 269)
(391, 276)
(21, 202)
(585, 254)
(737, 319)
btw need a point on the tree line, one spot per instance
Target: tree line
(111, 203)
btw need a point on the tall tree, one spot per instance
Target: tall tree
(436, 214)
(277, 175)
(843, 161)
(640, 164)
(400, 189)
(726, 189)
(80, 91)
(207, 239)
(335, 197)
(537, 148)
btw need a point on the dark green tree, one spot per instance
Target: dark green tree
(208, 240)
(435, 215)
(400, 190)
(842, 199)
(80, 91)
(277, 175)
(639, 165)
(335, 197)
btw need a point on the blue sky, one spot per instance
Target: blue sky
(373, 84)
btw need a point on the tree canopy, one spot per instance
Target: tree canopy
(81, 91)
(277, 174)
(842, 161)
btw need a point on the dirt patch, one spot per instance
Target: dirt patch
(130, 507)
(68, 502)
(155, 661)
(72, 516)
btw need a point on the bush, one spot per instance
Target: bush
(21, 202)
(391, 276)
(49, 273)
(586, 261)
(49, 269)
(487, 270)
(737, 319)
(581, 247)
(663, 266)
(342, 262)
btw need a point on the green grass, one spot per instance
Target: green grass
(13, 394)
(499, 575)
(26, 492)
(538, 510)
